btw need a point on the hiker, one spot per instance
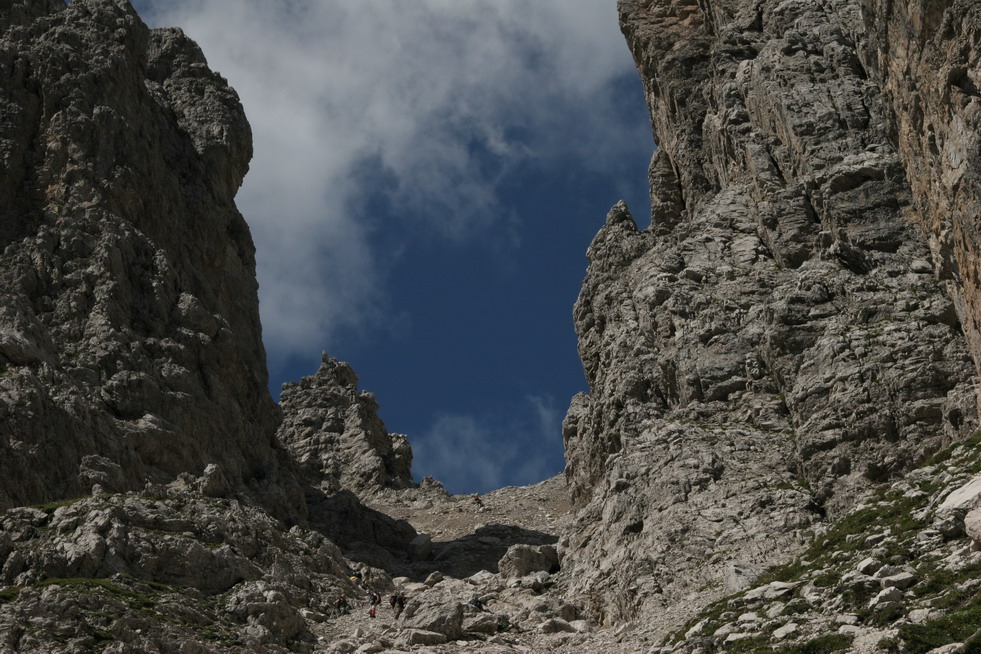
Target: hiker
(371, 613)
(476, 500)
(392, 601)
(399, 604)
(341, 605)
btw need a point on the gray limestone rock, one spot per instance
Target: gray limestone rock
(771, 344)
(334, 432)
(122, 357)
(522, 560)
(482, 623)
(175, 571)
(435, 615)
(972, 525)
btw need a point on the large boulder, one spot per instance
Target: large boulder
(443, 616)
(522, 560)
(972, 525)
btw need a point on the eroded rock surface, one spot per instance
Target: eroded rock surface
(333, 430)
(166, 569)
(129, 325)
(781, 335)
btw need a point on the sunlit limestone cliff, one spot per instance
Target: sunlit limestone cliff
(796, 324)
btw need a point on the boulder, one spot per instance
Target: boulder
(556, 625)
(422, 637)
(788, 629)
(772, 590)
(972, 525)
(443, 617)
(482, 623)
(213, 482)
(902, 581)
(868, 566)
(522, 560)
(963, 499)
(884, 597)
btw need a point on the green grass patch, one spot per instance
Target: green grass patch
(936, 579)
(86, 584)
(827, 579)
(751, 645)
(944, 455)
(820, 645)
(51, 507)
(9, 594)
(796, 607)
(891, 514)
(887, 615)
(787, 572)
(710, 612)
(956, 626)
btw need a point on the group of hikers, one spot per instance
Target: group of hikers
(396, 601)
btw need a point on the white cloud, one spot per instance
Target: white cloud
(423, 105)
(482, 453)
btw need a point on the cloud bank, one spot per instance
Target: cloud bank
(374, 115)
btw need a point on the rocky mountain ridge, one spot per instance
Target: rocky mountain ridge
(784, 356)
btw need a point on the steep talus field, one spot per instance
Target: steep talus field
(779, 450)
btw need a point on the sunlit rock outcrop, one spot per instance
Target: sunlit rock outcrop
(333, 431)
(789, 329)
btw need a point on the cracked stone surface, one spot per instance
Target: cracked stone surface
(782, 334)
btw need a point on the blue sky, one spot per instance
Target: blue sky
(427, 177)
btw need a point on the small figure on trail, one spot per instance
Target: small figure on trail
(392, 601)
(341, 605)
(477, 604)
(399, 604)
(476, 500)
(374, 598)
(371, 613)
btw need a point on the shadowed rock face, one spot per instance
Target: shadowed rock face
(788, 329)
(129, 327)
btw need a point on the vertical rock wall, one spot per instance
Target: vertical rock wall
(925, 56)
(130, 344)
(778, 338)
